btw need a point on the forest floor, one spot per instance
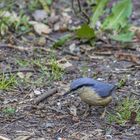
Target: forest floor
(30, 68)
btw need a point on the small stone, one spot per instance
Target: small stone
(40, 15)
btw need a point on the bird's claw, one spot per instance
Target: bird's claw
(103, 114)
(87, 111)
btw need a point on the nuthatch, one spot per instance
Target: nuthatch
(93, 92)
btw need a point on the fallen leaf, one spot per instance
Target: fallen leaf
(40, 28)
(66, 65)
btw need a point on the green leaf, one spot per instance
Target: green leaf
(85, 31)
(124, 37)
(119, 16)
(98, 11)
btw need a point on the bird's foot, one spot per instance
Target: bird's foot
(87, 111)
(103, 114)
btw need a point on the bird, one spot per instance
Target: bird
(92, 92)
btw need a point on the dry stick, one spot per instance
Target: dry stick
(21, 48)
(45, 95)
(137, 94)
(13, 47)
(4, 138)
(80, 10)
(51, 39)
(19, 70)
(83, 12)
(5, 45)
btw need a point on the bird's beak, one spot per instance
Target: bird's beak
(67, 93)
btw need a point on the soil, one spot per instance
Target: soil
(60, 117)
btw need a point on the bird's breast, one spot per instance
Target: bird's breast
(89, 96)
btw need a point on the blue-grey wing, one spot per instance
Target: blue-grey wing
(103, 89)
(81, 82)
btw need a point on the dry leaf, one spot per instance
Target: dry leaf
(40, 28)
(65, 65)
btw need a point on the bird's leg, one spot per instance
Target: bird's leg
(103, 114)
(87, 110)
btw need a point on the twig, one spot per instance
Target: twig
(43, 49)
(65, 52)
(4, 138)
(108, 53)
(19, 118)
(51, 39)
(18, 70)
(21, 48)
(5, 45)
(45, 95)
(128, 57)
(80, 10)
(83, 12)
(72, 4)
(137, 94)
